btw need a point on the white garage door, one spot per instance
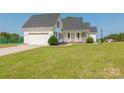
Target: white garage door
(38, 38)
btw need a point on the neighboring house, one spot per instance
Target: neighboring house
(39, 28)
(109, 40)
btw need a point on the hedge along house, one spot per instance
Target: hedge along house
(39, 28)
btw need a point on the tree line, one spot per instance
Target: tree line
(116, 37)
(6, 37)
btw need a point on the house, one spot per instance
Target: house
(109, 40)
(39, 28)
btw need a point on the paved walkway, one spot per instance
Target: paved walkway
(20, 48)
(15, 49)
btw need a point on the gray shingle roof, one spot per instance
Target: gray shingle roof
(72, 23)
(93, 29)
(45, 20)
(86, 25)
(75, 23)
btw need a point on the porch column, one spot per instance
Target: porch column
(70, 37)
(80, 36)
(87, 35)
(84, 36)
(75, 37)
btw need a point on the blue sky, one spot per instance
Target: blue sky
(110, 23)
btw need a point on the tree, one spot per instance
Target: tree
(21, 39)
(115, 37)
(4, 36)
(14, 38)
(9, 38)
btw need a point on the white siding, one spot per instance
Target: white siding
(58, 30)
(66, 39)
(74, 37)
(93, 36)
(25, 37)
(35, 38)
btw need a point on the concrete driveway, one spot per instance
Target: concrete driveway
(15, 49)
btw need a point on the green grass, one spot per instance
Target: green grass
(75, 61)
(8, 45)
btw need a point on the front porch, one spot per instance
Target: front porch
(76, 37)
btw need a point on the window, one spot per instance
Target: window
(30, 33)
(83, 34)
(68, 35)
(43, 33)
(57, 24)
(60, 36)
(37, 33)
(78, 35)
(55, 34)
(62, 29)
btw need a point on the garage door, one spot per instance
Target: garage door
(38, 38)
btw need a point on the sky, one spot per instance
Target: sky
(109, 22)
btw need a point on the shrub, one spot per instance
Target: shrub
(53, 40)
(90, 40)
(102, 40)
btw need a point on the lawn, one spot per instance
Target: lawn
(7, 45)
(78, 61)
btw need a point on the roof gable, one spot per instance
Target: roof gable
(72, 23)
(46, 20)
(93, 29)
(86, 25)
(76, 23)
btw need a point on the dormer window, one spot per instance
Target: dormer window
(58, 24)
(62, 29)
